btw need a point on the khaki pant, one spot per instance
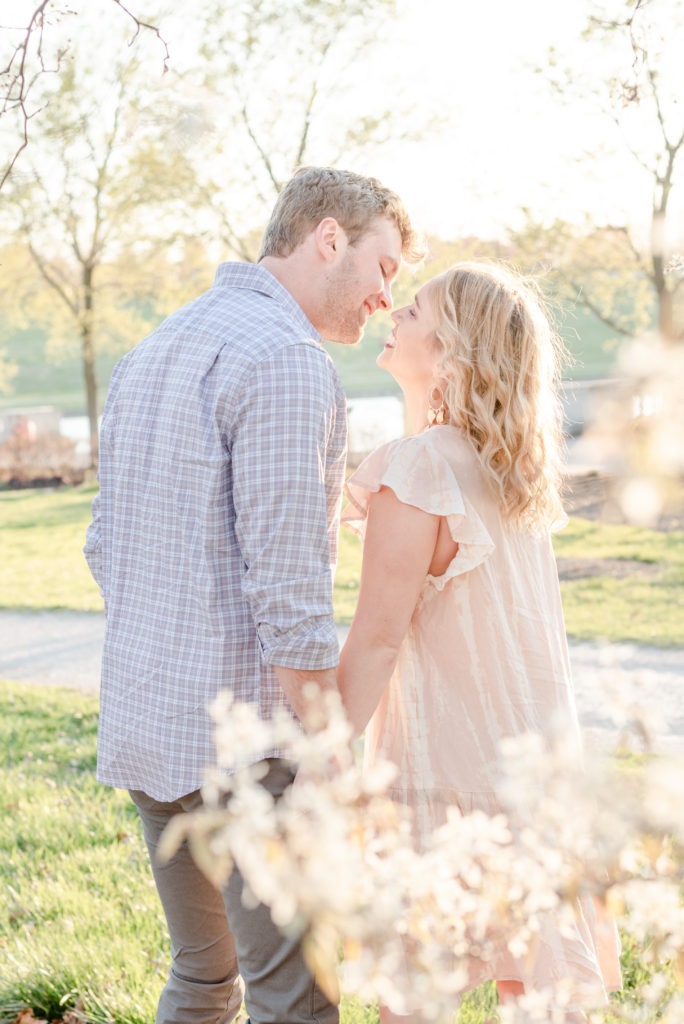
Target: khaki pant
(214, 964)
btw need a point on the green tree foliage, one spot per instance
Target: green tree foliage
(8, 371)
(96, 189)
(591, 267)
(123, 163)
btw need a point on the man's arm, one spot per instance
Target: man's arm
(279, 487)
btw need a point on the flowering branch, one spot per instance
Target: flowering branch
(419, 919)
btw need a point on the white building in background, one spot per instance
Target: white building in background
(373, 421)
(77, 429)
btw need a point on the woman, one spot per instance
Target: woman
(458, 640)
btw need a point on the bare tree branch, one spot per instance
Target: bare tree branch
(582, 297)
(633, 151)
(259, 148)
(630, 90)
(622, 229)
(17, 80)
(150, 28)
(647, 28)
(230, 236)
(50, 278)
(304, 138)
(100, 233)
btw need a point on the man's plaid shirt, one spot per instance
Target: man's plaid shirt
(214, 535)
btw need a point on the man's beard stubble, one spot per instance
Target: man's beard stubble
(342, 305)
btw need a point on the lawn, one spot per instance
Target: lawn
(42, 567)
(41, 556)
(643, 602)
(81, 920)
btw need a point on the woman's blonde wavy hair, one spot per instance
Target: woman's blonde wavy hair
(501, 363)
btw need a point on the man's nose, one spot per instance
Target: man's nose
(385, 297)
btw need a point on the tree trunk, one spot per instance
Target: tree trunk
(89, 369)
(665, 310)
(666, 315)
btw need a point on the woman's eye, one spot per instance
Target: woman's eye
(412, 312)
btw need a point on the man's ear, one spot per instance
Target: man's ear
(331, 239)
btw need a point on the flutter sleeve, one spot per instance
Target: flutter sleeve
(420, 476)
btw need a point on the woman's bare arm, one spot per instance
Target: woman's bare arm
(398, 549)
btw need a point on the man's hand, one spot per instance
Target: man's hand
(308, 694)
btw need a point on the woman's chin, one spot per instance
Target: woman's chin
(383, 360)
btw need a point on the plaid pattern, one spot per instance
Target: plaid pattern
(214, 534)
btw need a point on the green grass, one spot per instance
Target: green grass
(347, 577)
(82, 919)
(646, 610)
(592, 346)
(42, 567)
(41, 558)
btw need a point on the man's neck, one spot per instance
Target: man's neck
(295, 276)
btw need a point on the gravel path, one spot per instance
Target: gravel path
(63, 649)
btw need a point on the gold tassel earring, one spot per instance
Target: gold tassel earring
(437, 411)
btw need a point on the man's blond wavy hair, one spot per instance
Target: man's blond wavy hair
(501, 361)
(355, 201)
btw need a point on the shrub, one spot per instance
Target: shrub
(39, 461)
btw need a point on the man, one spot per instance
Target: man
(222, 457)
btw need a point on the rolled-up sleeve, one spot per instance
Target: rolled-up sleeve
(280, 460)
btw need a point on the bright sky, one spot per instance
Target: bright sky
(505, 142)
(511, 143)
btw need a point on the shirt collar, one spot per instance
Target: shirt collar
(254, 277)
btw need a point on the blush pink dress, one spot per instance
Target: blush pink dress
(485, 657)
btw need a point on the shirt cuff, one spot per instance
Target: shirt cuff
(310, 645)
